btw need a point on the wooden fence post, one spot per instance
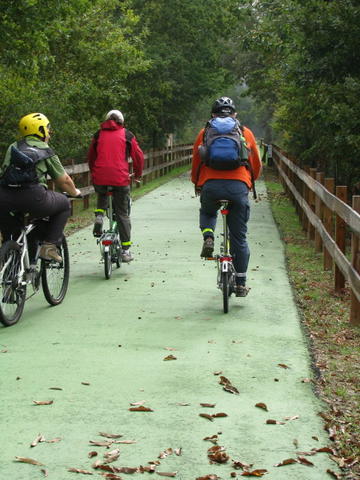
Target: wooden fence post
(305, 195)
(311, 197)
(319, 213)
(340, 237)
(328, 217)
(355, 261)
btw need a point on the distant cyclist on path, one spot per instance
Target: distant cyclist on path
(225, 165)
(108, 157)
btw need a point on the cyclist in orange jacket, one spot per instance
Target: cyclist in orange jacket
(232, 184)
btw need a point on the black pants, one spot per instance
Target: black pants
(121, 202)
(37, 201)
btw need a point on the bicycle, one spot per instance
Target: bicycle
(18, 271)
(225, 268)
(109, 241)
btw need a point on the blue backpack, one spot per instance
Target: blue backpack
(224, 147)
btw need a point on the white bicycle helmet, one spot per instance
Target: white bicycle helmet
(115, 115)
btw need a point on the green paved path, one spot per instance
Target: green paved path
(105, 348)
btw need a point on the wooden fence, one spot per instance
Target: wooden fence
(328, 220)
(156, 164)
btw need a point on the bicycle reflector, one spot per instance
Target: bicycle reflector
(106, 242)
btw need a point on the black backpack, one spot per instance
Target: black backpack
(21, 171)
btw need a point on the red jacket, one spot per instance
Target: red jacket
(108, 152)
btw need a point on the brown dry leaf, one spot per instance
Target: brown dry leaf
(170, 349)
(167, 474)
(282, 365)
(107, 468)
(92, 454)
(304, 461)
(28, 460)
(209, 477)
(262, 405)
(110, 435)
(54, 440)
(218, 415)
(178, 451)
(55, 388)
(214, 439)
(111, 476)
(170, 357)
(274, 422)
(128, 469)
(227, 385)
(44, 472)
(255, 473)
(112, 456)
(136, 404)
(217, 454)
(79, 470)
(306, 380)
(206, 415)
(141, 409)
(315, 438)
(334, 474)
(208, 405)
(166, 453)
(324, 450)
(85, 383)
(101, 444)
(39, 438)
(150, 469)
(295, 417)
(126, 442)
(218, 373)
(244, 466)
(43, 402)
(288, 461)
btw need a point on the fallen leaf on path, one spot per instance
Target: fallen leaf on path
(315, 438)
(324, 450)
(100, 444)
(110, 435)
(85, 383)
(208, 405)
(178, 451)
(39, 438)
(334, 474)
(171, 349)
(166, 453)
(227, 385)
(218, 373)
(183, 404)
(92, 454)
(54, 440)
(112, 456)
(141, 409)
(126, 442)
(206, 415)
(55, 388)
(306, 380)
(262, 405)
(218, 415)
(214, 439)
(44, 472)
(111, 476)
(79, 470)
(167, 474)
(296, 443)
(209, 477)
(288, 461)
(304, 461)
(295, 417)
(43, 402)
(283, 365)
(274, 422)
(170, 357)
(255, 473)
(28, 460)
(217, 454)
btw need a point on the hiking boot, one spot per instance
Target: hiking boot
(208, 248)
(241, 290)
(98, 226)
(126, 256)
(49, 251)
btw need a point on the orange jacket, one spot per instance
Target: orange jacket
(200, 173)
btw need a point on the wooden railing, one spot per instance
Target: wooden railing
(156, 164)
(328, 220)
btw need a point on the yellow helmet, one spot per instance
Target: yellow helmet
(34, 124)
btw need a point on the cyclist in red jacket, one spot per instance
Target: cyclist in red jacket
(108, 157)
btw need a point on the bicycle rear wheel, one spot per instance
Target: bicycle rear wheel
(107, 264)
(55, 276)
(225, 277)
(12, 295)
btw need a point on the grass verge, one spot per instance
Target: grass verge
(82, 218)
(334, 343)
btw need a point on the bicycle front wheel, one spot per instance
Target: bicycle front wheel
(55, 276)
(225, 282)
(12, 295)
(107, 264)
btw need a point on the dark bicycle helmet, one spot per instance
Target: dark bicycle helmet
(223, 105)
